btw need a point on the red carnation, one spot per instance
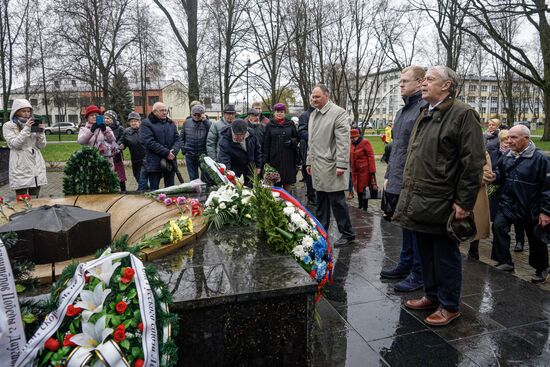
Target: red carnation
(121, 307)
(312, 274)
(138, 362)
(1, 200)
(222, 170)
(129, 273)
(86, 278)
(73, 311)
(125, 280)
(140, 327)
(67, 342)
(19, 198)
(52, 344)
(119, 335)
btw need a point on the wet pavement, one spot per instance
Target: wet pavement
(505, 319)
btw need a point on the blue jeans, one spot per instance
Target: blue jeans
(193, 163)
(142, 180)
(154, 179)
(409, 257)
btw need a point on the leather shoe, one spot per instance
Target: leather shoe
(399, 272)
(518, 247)
(441, 317)
(420, 304)
(344, 241)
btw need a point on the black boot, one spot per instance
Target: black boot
(360, 199)
(365, 204)
(473, 252)
(518, 247)
(123, 186)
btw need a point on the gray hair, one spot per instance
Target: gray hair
(524, 130)
(446, 73)
(323, 88)
(158, 105)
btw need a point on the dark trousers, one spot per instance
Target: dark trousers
(363, 203)
(441, 269)
(154, 179)
(138, 170)
(409, 257)
(32, 191)
(310, 191)
(520, 232)
(538, 252)
(337, 201)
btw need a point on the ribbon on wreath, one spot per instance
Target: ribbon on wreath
(106, 352)
(12, 333)
(215, 167)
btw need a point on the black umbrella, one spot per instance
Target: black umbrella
(56, 233)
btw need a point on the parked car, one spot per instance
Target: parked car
(61, 127)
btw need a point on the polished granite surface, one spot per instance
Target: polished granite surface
(505, 320)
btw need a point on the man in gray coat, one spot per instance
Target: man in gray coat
(409, 260)
(216, 128)
(328, 160)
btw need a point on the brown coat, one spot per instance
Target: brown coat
(481, 208)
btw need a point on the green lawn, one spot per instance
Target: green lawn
(64, 137)
(59, 152)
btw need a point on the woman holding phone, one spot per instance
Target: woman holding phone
(27, 169)
(97, 134)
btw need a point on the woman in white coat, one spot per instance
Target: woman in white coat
(27, 172)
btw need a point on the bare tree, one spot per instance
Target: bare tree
(187, 37)
(513, 54)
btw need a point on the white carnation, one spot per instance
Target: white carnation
(222, 205)
(288, 211)
(307, 242)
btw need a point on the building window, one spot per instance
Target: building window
(494, 99)
(471, 99)
(34, 102)
(72, 102)
(153, 100)
(494, 110)
(72, 118)
(483, 99)
(85, 101)
(138, 100)
(59, 118)
(472, 88)
(494, 88)
(484, 88)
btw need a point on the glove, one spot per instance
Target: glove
(103, 127)
(93, 128)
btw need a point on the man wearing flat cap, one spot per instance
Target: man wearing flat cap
(193, 137)
(239, 150)
(213, 135)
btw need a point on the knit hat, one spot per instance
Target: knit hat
(112, 114)
(239, 127)
(229, 108)
(253, 112)
(91, 109)
(199, 109)
(354, 133)
(134, 116)
(17, 105)
(279, 107)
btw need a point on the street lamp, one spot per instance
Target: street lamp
(248, 65)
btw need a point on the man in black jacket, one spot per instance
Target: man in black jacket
(193, 138)
(524, 178)
(239, 150)
(130, 139)
(159, 135)
(302, 133)
(409, 260)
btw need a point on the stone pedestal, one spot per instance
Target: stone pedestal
(240, 304)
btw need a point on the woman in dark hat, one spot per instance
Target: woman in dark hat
(279, 147)
(118, 157)
(363, 166)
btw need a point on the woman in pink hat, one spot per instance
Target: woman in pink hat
(97, 134)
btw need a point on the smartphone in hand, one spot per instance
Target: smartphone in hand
(99, 120)
(35, 128)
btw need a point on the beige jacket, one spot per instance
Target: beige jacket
(328, 148)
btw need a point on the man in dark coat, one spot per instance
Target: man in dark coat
(193, 139)
(442, 177)
(159, 135)
(303, 121)
(239, 150)
(409, 260)
(255, 124)
(524, 178)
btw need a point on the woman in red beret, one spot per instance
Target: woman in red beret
(363, 166)
(98, 135)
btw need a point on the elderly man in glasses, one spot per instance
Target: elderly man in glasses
(193, 137)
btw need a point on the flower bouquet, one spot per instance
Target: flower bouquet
(217, 172)
(26, 198)
(112, 312)
(229, 205)
(193, 205)
(172, 231)
(271, 176)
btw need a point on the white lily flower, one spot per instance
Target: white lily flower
(92, 302)
(104, 271)
(288, 211)
(92, 334)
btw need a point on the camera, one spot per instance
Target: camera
(35, 128)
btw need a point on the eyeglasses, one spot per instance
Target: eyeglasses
(197, 114)
(405, 81)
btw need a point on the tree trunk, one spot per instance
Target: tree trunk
(546, 134)
(192, 50)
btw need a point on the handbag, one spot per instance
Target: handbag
(371, 191)
(166, 165)
(388, 204)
